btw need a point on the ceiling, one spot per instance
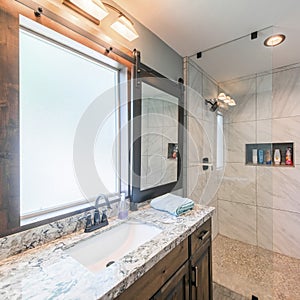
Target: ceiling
(190, 26)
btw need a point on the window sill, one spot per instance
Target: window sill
(57, 213)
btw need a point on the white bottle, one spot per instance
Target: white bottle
(277, 157)
(254, 156)
(123, 209)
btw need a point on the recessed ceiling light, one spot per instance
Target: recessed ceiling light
(274, 40)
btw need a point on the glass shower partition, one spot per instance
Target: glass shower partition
(241, 193)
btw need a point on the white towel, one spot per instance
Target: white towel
(172, 204)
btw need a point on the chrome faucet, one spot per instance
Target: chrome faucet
(102, 196)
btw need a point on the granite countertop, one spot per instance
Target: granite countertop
(48, 272)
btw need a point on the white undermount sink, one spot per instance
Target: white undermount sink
(96, 252)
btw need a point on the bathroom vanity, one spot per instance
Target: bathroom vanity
(185, 273)
(176, 262)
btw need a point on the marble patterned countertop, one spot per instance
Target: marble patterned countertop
(48, 272)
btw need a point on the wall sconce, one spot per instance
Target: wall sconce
(226, 99)
(95, 11)
(223, 101)
(123, 25)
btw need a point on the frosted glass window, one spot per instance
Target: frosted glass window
(57, 85)
(220, 144)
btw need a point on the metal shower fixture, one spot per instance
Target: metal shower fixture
(222, 101)
(214, 104)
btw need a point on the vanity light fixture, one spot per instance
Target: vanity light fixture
(93, 10)
(274, 40)
(123, 25)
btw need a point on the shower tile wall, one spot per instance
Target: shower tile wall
(201, 138)
(256, 205)
(159, 127)
(260, 205)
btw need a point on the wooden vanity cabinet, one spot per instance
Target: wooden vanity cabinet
(183, 274)
(177, 287)
(158, 280)
(201, 263)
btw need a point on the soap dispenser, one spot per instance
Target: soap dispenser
(123, 209)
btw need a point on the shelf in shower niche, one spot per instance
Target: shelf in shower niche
(272, 165)
(261, 153)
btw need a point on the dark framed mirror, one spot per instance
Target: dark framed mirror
(157, 135)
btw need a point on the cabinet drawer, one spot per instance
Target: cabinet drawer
(200, 236)
(156, 277)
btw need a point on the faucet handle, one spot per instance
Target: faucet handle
(96, 217)
(89, 222)
(104, 217)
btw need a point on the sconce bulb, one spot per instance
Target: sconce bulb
(222, 96)
(231, 102)
(227, 99)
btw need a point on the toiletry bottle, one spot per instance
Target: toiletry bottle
(288, 156)
(260, 156)
(277, 157)
(123, 209)
(268, 157)
(254, 156)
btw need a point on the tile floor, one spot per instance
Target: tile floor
(241, 270)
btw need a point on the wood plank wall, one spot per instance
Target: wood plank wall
(9, 118)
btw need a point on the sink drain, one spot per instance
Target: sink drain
(109, 263)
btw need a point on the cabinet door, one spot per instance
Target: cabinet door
(177, 287)
(201, 286)
(158, 276)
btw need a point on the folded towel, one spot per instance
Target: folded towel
(172, 204)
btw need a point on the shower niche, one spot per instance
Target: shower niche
(270, 154)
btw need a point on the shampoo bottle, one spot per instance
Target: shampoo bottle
(123, 209)
(277, 157)
(254, 156)
(288, 156)
(268, 157)
(260, 156)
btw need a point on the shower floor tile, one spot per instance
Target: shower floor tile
(249, 270)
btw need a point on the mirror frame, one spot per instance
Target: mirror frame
(147, 75)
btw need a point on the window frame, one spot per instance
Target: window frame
(58, 20)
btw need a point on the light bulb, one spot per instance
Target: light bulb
(227, 99)
(222, 96)
(274, 40)
(231, 102)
